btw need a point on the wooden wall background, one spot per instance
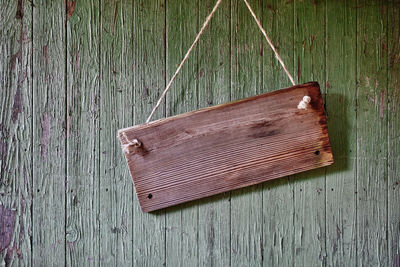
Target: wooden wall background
(73, 72)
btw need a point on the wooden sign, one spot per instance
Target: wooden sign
(229, 146)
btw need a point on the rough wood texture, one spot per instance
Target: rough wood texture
(225, 147)
(309, 188)
(60, 227)
(393, 113)
(214, 87)
(82, 188)
(149, 244)
(246, 78)
(15, 133)
(340, 107)
(277, 226)
(49, 133)
(116, 101)
(372, 134)
(181, 223)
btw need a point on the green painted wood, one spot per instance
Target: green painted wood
(149, 80)
(83, 92)
(49, 133)
(181, 29)
(309, 190)
(393, 111)
(341, 246)
(69, 80)
(15, 133)
(214, 231)
(278, 195)
(116, 111)
(246, 69)
(372, 210)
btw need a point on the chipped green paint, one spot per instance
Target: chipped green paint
(73, 72)
(340, 107)
(116, 101)
(372, 135)
(181, 223)
(149, 44)
(278, 230)
(393, 113)
(82, 127)
(214, 88)
(15, 133)
(49, 133)
(309, 187)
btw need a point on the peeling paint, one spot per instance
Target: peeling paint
(269, 6)
(17, 106)
(397, 260)
(77, 61)
(68, 125)
(70, 8)
(384, 47)
(298, 69)
(45, 134)
(312, 42)
(7, 222)
(46, 54)
(201, 73)
(20, 10)
(3, 149)
(327, 84)
(382, 104)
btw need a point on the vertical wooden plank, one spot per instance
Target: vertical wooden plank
(214, 88)
(393, 133)
(372, 141)
(309, 191)
(181, 29)
(49, 121)
(278, 201)
(341, 109)
(82, 208)
(246, 204)
(116, 101)
(372, 247)
(15, 133)
(149, 82)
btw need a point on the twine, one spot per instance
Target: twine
(197, 39)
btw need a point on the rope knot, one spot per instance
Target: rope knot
(303, 104)
(129, 143)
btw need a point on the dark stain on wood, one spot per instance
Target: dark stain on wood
(264, 133)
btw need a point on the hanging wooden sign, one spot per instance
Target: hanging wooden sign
(229, 146)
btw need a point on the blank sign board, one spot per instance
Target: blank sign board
(229, 146)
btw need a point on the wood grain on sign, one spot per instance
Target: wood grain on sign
(225, 147)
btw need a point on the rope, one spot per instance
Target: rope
(269, 42)
(197, 39)
(184, 59)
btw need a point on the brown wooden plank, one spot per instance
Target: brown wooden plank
(225, 147)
